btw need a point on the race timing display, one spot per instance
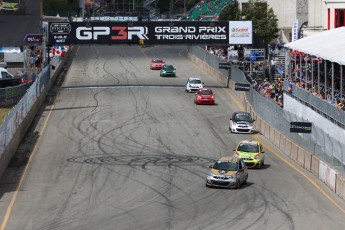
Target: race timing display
(162, 32)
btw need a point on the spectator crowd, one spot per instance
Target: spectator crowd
(304, 74)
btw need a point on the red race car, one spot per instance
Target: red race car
(157, 64)
(204, 96)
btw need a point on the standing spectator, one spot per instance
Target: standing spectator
(273, 66)
(32, 62)
(38, 63)
(280, 70)
(32, 51)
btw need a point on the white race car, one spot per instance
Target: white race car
(193, 84)
(241, 122)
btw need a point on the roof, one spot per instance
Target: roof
(231, 159)
(249, 142)
(328, 45)
(241, 112)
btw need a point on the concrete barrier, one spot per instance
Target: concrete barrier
(271, 134)
(315, 165)
(282, 143)
(327, 175)
(266, 128)
(288, 146)
(257, 123)
(340, 186)
(294, 152)
(276, 138)
(300, 156)
(21, 130)
(214, 72)
(307, 160)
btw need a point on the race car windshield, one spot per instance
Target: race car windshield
(205, 92)
(157, 61)
(226, 166)
(169, 67)
(243, 117)
(195, 81)
(248, 148)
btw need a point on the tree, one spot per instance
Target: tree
(60, 5)
(265, 22)
(231, 13)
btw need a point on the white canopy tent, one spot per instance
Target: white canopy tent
(328, 45)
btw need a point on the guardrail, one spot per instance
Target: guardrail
(273, 130)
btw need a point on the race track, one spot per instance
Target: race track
(123, 148)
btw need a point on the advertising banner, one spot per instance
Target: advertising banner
(300, 127)
(241, 33)
(180, 32)
(242, 86)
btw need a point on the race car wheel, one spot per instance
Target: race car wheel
(261, 164)
(245, 181)
(238, 184)
(208, 186)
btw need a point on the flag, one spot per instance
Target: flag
(58, 51)
(295, 30)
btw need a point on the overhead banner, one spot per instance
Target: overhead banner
(181, 32)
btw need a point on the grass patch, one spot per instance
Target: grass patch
(3, 113)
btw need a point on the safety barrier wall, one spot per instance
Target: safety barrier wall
(273, 132)
(329, 142)
(326, 109)
(307, 160)
(340, 186)
(300, 156)
(315, 161)
(19, 119)
(327, 175)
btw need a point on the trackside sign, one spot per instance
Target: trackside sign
(241, 32)
(180, 32)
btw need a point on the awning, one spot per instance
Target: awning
(328, 45)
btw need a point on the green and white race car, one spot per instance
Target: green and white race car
(168, 71)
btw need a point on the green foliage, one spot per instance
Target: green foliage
(191, 3)
(231, 13)
(265, 22)
(164, 6)
(60, 5)
(268, 27)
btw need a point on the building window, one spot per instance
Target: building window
(339, 18)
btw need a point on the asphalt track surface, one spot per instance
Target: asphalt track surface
(118, 157)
